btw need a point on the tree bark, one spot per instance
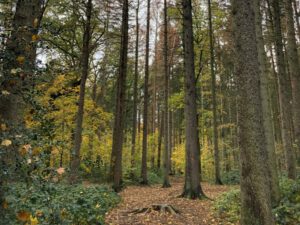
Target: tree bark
(255, 196)
(192, 187)
(270, 160)
(285, 97)
(214, 99)
(20, 52)
(75, 160)
(166, 162)
(116, 155)
(135, 88)
(160, 138)
(293, 62)
(146, 100)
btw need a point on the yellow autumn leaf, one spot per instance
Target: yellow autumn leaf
(54, 151)
(36, 151)
(20, 59)
(24, 149)
(35, 37)
(3, 127)
(33, 220)
(6, 143)
(39, 213)
(35, 22)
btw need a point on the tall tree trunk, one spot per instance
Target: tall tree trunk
(270, 160)
(135, 88)
(293, 62)
(192, 187)
(160, 137)
(166, 161)
(116, 155)
(75, 160)
(20, 52)
(214, 99)
(284, 94)
(146, 100)
(255, 196)
(297, 15)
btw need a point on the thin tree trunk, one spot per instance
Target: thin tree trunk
(293, 62)
(146, 100)
(160, 137)
(75, 160)
(166, 162)
(116, 155)
(214, 99)
(255, 195)
(135, 89)
(192, 187)
(297, 15)
(285, 97)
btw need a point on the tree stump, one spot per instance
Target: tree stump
(162, 208)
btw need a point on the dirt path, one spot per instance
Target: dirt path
(192, 212)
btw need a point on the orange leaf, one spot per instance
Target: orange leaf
(23, 216)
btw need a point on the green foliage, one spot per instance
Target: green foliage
(58, 203)
(231, 177)
(288, 210)
(228, 205)
(132, 176)
(286, 213)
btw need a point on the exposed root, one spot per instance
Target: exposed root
(162, 208)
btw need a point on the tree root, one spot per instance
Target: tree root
(162, 208)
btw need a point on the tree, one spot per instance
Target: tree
(135, 88)
(75, 162)
(20, 58)
(166, 158)
(146, 101)
(214, 98)
(255, 196)
(294, 69)
(192, 187)
(284, 94)
(116, 155)
(270, 160)
(19, 62)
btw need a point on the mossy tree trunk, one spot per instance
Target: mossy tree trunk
(255, 196)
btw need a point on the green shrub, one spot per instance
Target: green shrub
(132, 176)
(59, 204)
(231, 177)
(228, 205)
(287, 211)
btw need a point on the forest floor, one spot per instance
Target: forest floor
(191, 212)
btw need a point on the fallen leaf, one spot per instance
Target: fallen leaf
(6, 143)
(23, 216)
(60, 170)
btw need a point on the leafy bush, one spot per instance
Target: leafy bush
(287, 211)
(231, 177)
(132, 176)
(228, 205)
(57, 204)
